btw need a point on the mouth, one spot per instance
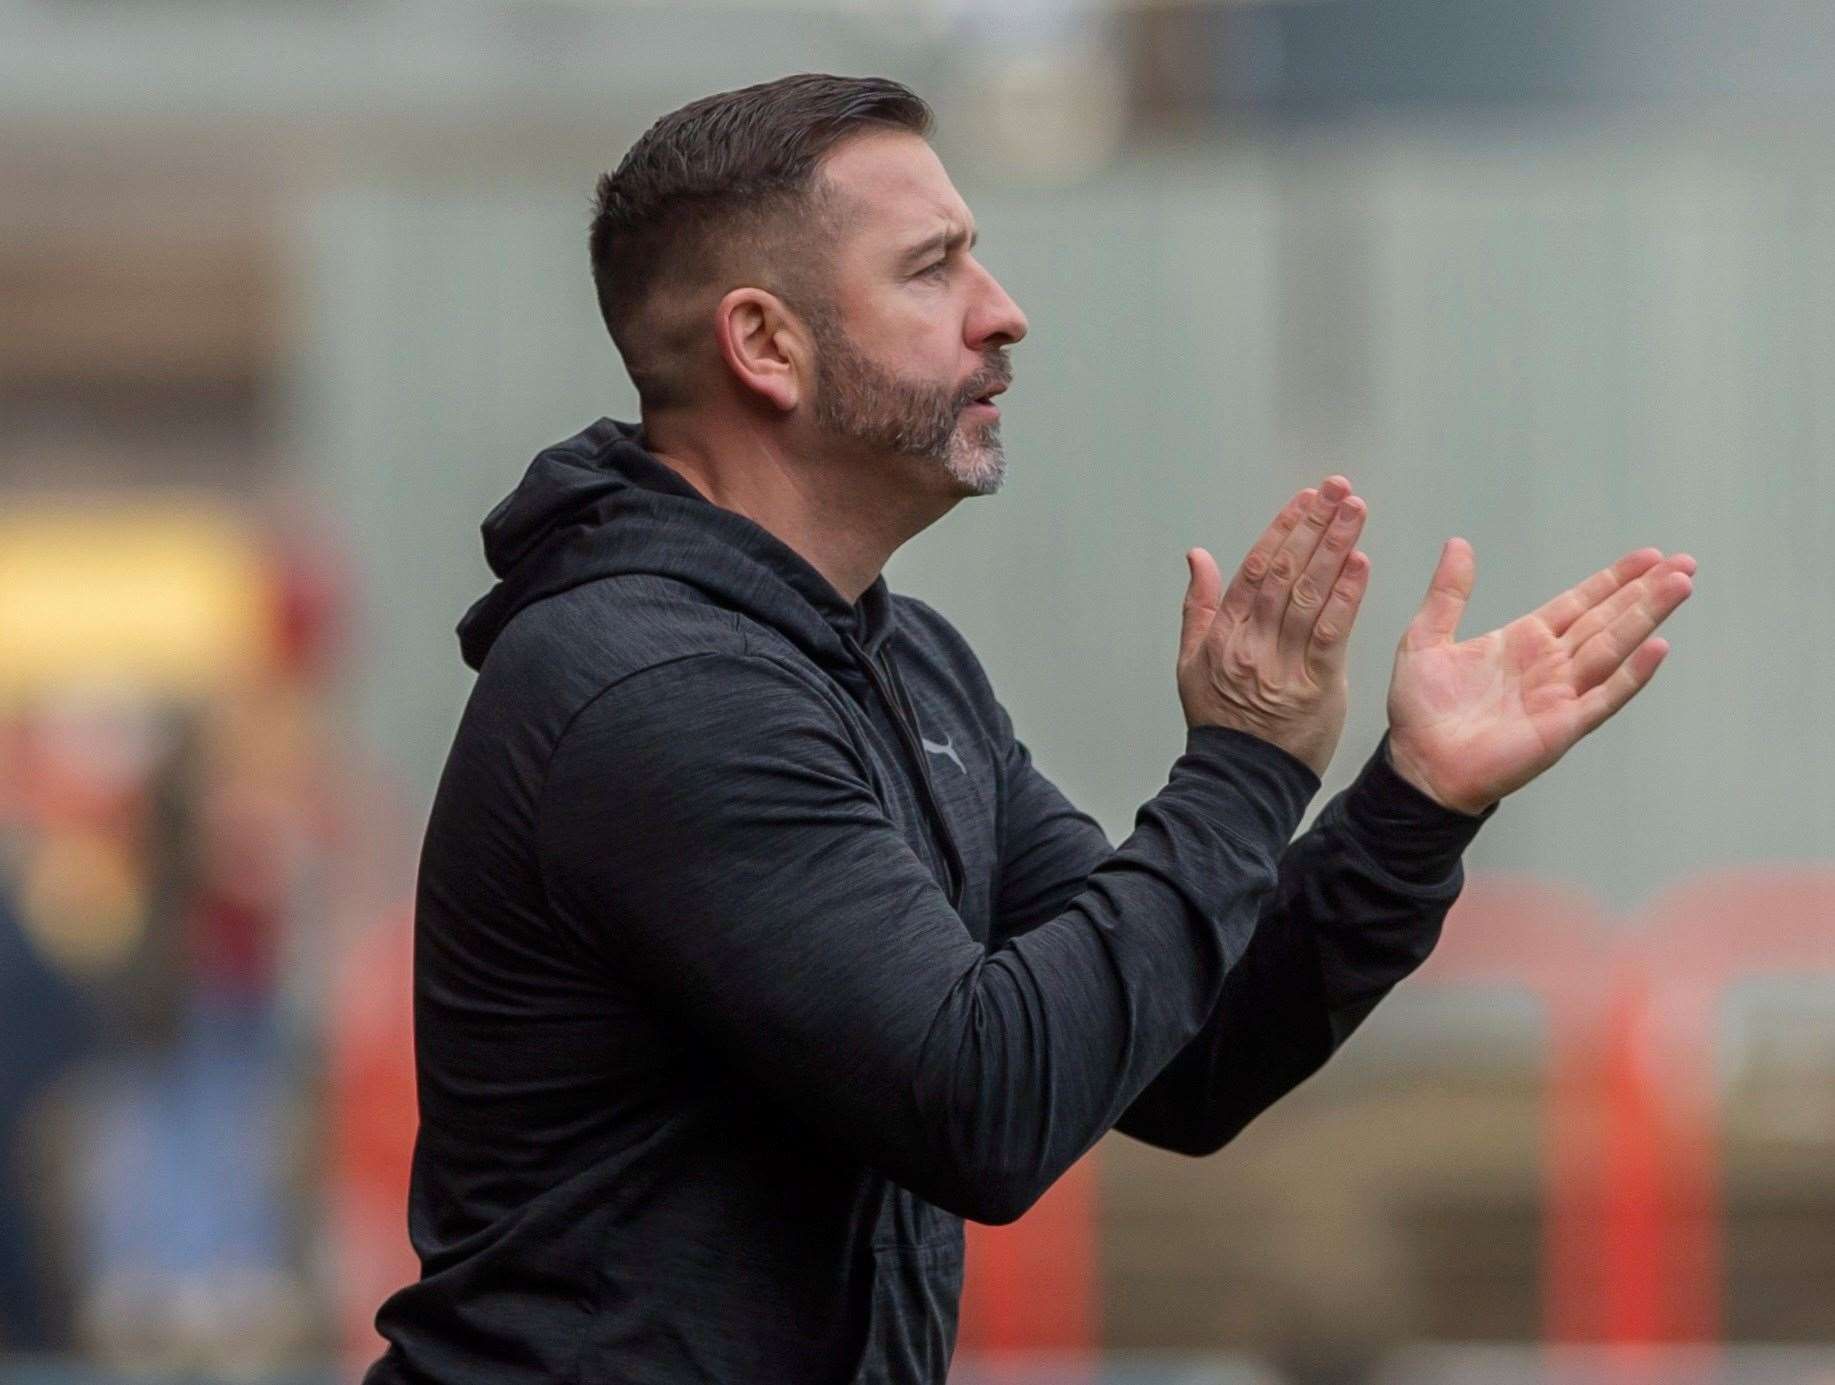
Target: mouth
(985, 402)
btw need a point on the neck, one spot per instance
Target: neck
(844, 516)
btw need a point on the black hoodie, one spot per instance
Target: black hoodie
(753, 954)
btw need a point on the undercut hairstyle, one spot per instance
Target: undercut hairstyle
(725, 185)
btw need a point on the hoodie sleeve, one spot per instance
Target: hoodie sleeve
(708, 828)
(1359, 905)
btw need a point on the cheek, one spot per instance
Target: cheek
(921, 331)
(936, 352)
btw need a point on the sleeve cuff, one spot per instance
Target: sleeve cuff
(1410, 835)
(1263, 780)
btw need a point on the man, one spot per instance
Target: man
(753, 953)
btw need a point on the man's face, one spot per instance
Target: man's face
(914, 335)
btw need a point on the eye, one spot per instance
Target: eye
(933, 271)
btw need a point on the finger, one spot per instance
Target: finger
(1597, 706)
(1296, 551)
(1560, 612)
(1316, 583)
(1203, 592)
(1332, 629)
(1603, 615)
(1601, 655)
(1238, 600)
(1447, 592)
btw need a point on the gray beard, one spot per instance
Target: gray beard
(877, 411)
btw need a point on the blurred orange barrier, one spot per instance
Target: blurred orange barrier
(372, 1108)
(1634, 1213)
(1695, 943)
(1031, 1285)
(1554, 943)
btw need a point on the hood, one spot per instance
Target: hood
(599, 505)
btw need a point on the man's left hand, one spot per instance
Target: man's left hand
(1470, 722)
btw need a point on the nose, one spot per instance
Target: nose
(997, 320)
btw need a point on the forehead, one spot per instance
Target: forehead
(893, 187)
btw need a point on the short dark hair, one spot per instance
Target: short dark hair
(732, 167)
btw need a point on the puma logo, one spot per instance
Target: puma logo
(946, 749)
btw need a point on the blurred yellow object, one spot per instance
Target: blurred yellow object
(166, 596)
(84, 902)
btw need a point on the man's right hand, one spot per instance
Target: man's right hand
(1267, 656)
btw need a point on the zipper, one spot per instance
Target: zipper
(951, 850)
(906, 721)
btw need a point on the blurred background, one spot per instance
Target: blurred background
(290, 294)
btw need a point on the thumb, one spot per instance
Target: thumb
(1447, 592)
(1203, 594)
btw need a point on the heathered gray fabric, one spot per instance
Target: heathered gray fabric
(753, 954)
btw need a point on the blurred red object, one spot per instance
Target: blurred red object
(373, 1113)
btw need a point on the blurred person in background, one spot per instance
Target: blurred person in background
(753, 953)
(158, 861)
(44, 1028)
(190, 1100)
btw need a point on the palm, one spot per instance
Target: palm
(1495, 709)
(1472, 721)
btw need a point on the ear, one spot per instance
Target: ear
(763, 346)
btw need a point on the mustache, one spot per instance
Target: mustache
(997, 372)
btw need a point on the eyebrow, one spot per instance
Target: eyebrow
(943, 240)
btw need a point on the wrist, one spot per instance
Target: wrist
(1410, 770)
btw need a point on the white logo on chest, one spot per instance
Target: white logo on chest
(946, 749)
